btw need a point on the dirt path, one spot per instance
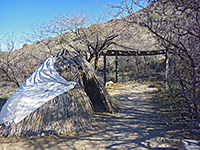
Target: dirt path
(136, 126)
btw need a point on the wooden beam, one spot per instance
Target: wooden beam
(133, 53)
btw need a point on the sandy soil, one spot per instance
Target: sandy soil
(135, 126)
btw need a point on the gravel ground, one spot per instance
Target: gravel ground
(135, 126)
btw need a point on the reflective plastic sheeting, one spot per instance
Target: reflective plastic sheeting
(43, 85)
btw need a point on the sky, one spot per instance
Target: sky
(16, 16)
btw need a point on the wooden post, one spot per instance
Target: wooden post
(116, 68)
(104, 69)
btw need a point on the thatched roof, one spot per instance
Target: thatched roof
(70, 111)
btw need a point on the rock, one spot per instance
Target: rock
(111, 84)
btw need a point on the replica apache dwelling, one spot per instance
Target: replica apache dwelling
(58, 98)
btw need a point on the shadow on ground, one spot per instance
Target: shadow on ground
(135, 126)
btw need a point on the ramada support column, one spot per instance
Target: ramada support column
(116, 68)
(104, 69)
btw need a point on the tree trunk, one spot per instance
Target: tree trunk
(186, 97)
(194, 98)
(90, 58)
(166, 70)
(96, 62)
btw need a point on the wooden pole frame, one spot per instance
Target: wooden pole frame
(104, 69)
(116, 69)
(117, 53)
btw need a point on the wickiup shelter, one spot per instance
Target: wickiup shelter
(59, 97)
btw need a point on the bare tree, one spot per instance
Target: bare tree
(79, 32)
(15, 65)
(176, 25)
(7, 65)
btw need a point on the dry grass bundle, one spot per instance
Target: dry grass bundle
(70, 111)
